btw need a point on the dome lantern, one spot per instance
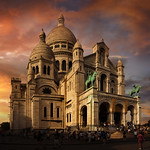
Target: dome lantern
(61, 20)
(42, 36)
(119, 63)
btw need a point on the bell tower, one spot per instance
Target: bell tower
(121, 81)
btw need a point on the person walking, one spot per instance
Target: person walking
(140, 140)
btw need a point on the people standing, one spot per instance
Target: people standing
(140, 140)
(124, 135)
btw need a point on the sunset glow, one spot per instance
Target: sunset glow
(124, 26)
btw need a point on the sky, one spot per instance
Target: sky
(123, 24)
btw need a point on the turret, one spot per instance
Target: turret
(121, 80)
(102, 53)
(78, 57)
(30, 73)
(78, 66)
(16, 88)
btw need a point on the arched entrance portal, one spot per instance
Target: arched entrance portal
(84, 116)
(118, 114)
(103, 112)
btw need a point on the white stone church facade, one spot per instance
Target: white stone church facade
(55, 95)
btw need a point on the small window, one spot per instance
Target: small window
(34, 70)
(67, 117)
(56, 46)
(46, 91)
(48, 70)
(58, 112)
(16, 86)
(70, 117)
(80, 68)
(80, 53)
(45, 112)
(76, 53)
(57, 64)
(112, 90)
(69, 47)
(37, 69)
(63, 46)
(70, 64)
(51, 110)
(44, 69)
(64, 65)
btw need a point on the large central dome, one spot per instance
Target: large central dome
(60, 33)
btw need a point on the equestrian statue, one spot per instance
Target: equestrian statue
(91, 79)
(135, 90)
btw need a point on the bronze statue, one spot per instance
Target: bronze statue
(91, 79)
(135, 90)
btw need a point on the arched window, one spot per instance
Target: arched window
(80, 53)
(102, 57)
(45, 112)
(46, 91)
(44, 69)
(48, 70)
(64, 65)
(34, 70)
(103, 83)
(37, 69)
(51, 110)
(112, 86)
(70, 64)
(57, 63)
(57, 112)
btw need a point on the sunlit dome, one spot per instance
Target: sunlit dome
(42, 49)
(60, 33)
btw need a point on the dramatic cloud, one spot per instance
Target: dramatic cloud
(124, 25)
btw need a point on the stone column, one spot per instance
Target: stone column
(40, 67)
(111, 118)
(138, 109)
(106, 60)
(107, 84)
(67, 64)
(123, 121)
(60, 65)
(135, 118)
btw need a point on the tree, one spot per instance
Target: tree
(5, 126)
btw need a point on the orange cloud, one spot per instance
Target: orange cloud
(21, 22)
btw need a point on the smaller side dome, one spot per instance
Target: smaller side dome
(77, 45)
(42, 49)
(119, 63)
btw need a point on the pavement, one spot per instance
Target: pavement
(23, 143)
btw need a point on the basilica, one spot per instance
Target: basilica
(64, 88)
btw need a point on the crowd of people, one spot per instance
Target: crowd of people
(101, 135)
